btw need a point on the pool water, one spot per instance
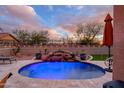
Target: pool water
(62, 70)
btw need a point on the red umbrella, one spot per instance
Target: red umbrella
(108, 31)
(108, 34)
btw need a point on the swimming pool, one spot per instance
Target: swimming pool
(62, 70)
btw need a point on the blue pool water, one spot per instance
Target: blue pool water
(62, 70)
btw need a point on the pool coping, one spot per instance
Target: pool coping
(40, 62)
(20, 81)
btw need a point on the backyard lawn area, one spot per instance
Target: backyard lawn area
(100, 57)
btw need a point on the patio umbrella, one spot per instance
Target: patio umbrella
(108, 36)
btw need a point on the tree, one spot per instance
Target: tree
(38, 38)
(88, 32)
(32, 38)
(79, 33)
(22, 35)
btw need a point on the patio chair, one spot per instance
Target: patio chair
(114, 84)
(38, 56)
(86, 58)
(110, 59)
(4, 80)
(7, 58)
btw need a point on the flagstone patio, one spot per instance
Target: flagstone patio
(18, 81)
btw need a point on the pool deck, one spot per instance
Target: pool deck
(18, 81)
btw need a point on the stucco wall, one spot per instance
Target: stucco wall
(118, 66)
(33, 50)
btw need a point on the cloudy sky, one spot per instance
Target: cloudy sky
(59, 20)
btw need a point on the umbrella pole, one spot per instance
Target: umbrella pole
(109, 51)
(109, 55)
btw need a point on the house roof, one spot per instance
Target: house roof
(7, 36)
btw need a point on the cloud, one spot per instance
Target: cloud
(69, 27)
(51, 8)
(64, 23)
(24, 13)
(20, 16)
(53, 34)
(62, 31)
(78, 7)
(58, 33)
(95, 14)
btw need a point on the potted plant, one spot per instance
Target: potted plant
(16, 50)
(38, 56)
(45, 51)
(73, 55)
(83, 55)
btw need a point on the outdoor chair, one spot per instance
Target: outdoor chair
(38, 56)
(4, 80)
(89, 58)
(7, 58)
(86, 58)
(114, 84)
(110, 59)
